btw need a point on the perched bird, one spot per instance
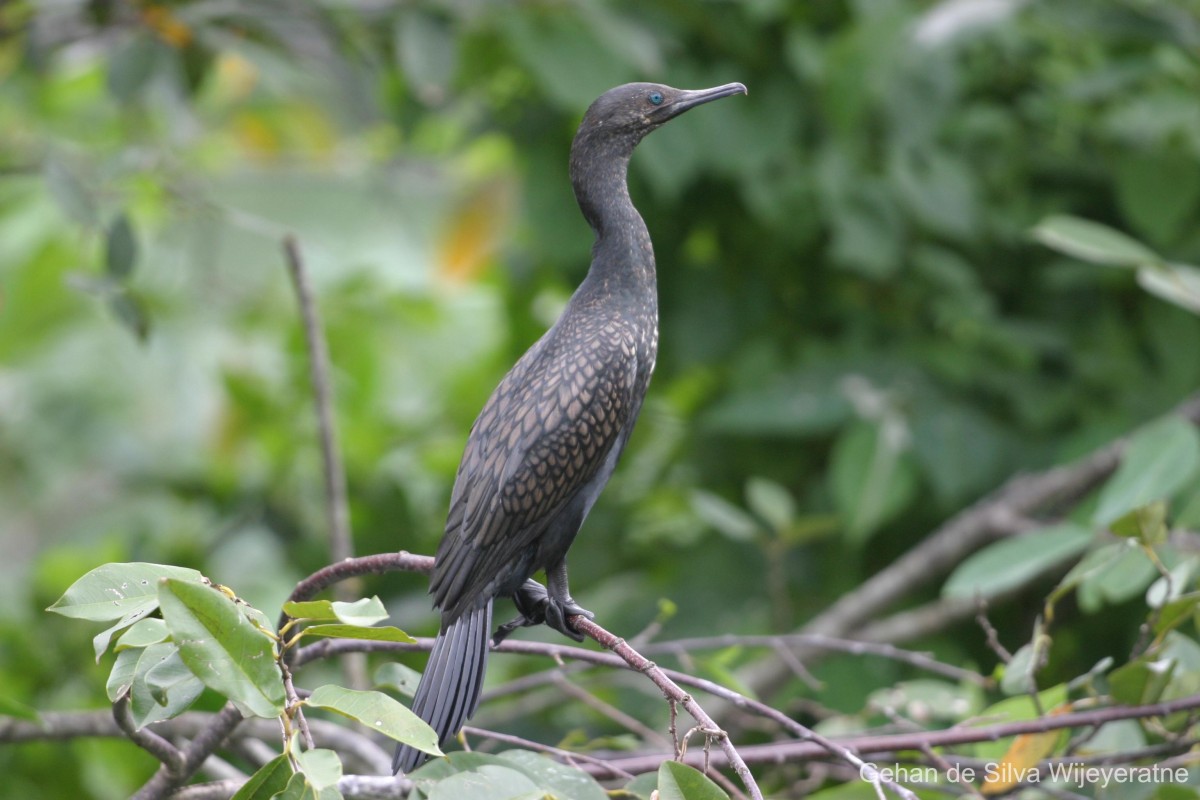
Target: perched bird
(550, 435)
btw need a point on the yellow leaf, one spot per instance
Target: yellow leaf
(168, 27)
(473, 232)
(1021, 759)
(255, 135)
(236, 76)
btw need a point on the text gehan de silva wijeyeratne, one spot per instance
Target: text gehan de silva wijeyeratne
(1081, 775)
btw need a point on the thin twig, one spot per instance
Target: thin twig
(817, 641)
(341, 545)
(618, 716)
(1006, 511)
(337, 507)
(989, 631)
(567, 756)
(671, 691)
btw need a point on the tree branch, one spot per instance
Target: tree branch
(672, 692)
(1005, 511)
(341, 545)
(960, 735)
(148, 740)
(167, 780)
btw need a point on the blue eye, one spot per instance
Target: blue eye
(655, 98)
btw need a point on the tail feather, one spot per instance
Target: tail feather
(449, 690)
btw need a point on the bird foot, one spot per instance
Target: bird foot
(536, 606)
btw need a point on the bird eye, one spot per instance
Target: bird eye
(655, 98)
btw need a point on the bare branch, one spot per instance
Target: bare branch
(147, 739)
(167, 780)
(671, 691)
(922, 661)
(341, 541)
(341, 545)
(1005, 511)
(897, 742)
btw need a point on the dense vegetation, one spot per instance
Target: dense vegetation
(879, 303)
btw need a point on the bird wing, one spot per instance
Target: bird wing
(542, 437)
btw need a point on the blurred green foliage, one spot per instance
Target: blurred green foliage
(859, 335)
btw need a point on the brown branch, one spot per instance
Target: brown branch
(672, 692)
(64, 726)
(148, 740)
(1005, 511)
(948, 737)
(566, 756)
(922, 661)
(378, 564)
(167, 780)
(341, 545)
(337, 507)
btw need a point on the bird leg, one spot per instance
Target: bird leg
(560, 604)
(531, 601)
(537, 604)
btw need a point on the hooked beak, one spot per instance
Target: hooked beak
(690, 98)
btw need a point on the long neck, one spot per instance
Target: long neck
(599, 168)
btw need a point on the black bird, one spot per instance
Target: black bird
(550, 435)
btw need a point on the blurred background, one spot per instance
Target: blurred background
(859, 335)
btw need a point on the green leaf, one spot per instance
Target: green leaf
(1011, 562)
(319, 610)
(1173, 585)
(115, 591)
(558, 779)
(771, 501)
(1176, 611)
(489, 782)
(1141, 681)
(427, 50)
(1159, 460)
(121, 250)
(322, 768)
(1091, 241)
(1013, 709)
(680, 782)
(386, 634)
(101, 640)
(13, 708)
(131, 67)
(170, 682)
(398, 677)
(271, 779)
(872, 477)
(1147, 524)
(642, 786)
(69, 192)
(1175, 283)
(1016, 678)
(1157, 191)
(174, 689)
(723, 516)
(380, 713)
(120, 677)
(366, 611)
(297, 788)
(131, 312)
(222, 647)
(143, 634)
(1117, 579)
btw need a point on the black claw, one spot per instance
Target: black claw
(536, 606)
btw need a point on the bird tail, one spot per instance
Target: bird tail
(449, 690)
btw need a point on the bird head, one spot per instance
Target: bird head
(634, 109)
